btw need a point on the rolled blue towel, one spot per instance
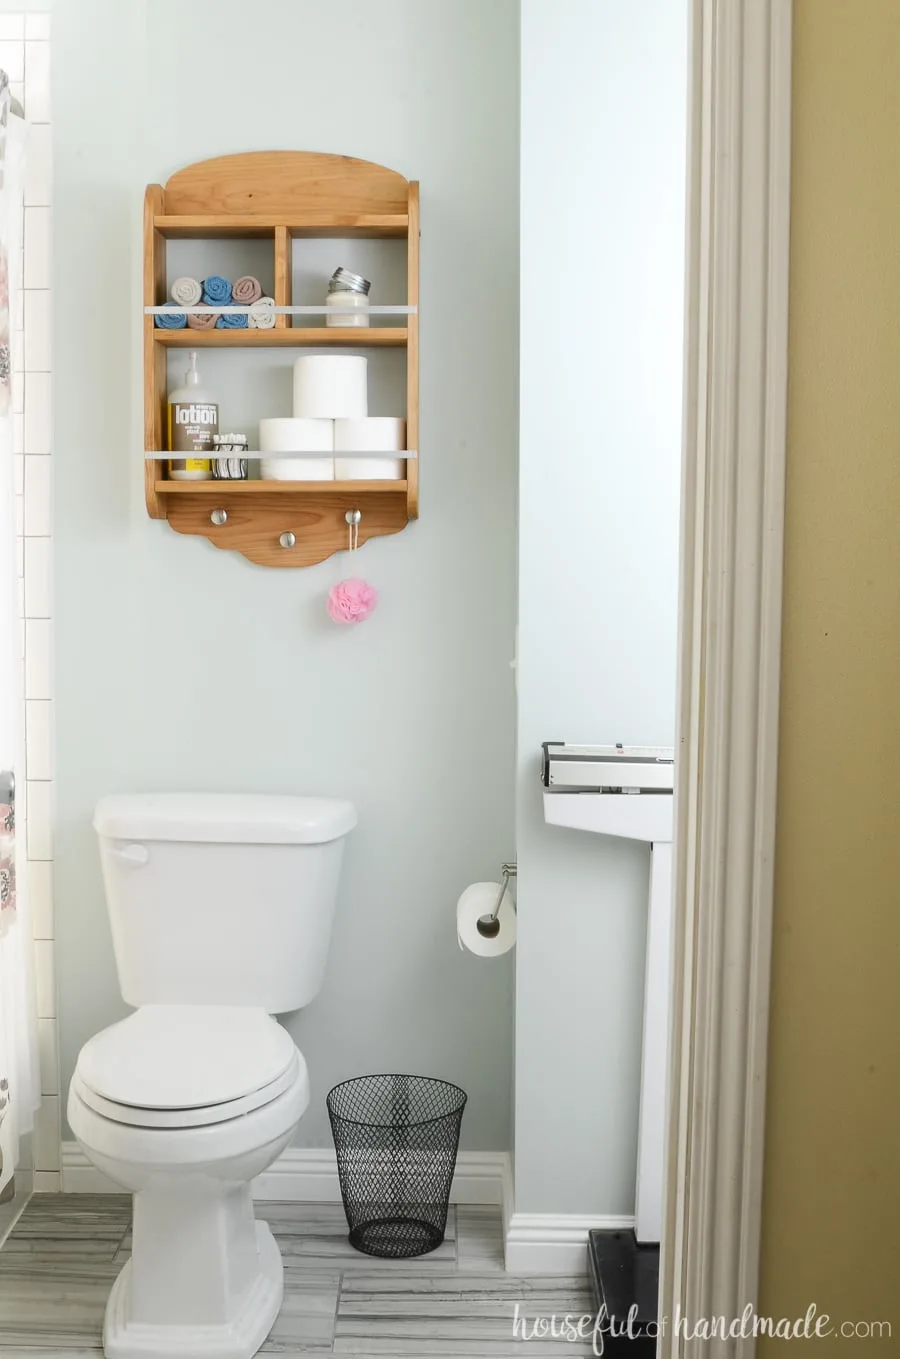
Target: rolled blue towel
(233, 320)
(173, 318)
(216, 290)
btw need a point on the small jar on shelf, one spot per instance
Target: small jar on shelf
(346, 289)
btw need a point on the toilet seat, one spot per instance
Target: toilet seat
(134, 1116)
(181, 1066)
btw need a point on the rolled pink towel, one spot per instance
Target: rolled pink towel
(203, 320)
(246, 291)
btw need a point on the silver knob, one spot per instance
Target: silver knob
(353, 517)
(219, 517)
(287, 539)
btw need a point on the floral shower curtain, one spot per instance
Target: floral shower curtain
(19, 1079)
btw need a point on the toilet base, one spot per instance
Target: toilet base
(239, 1338)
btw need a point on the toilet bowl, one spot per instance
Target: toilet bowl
(184, 1103)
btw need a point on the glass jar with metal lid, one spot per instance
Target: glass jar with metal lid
(348, 290)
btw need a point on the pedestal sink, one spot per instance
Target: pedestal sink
(628, 791)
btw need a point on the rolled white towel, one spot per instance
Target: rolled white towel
(262, 314)
(186, 292)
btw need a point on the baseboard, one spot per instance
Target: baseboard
(309, 1175)
(554, 1243)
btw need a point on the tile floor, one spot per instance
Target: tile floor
(59, 1263)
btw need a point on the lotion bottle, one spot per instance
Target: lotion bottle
(192, 420)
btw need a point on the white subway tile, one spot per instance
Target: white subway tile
(38, 497)
(39, 167)
(18, 431)
(46, 1134)
(20, 640)
(37, 330)
(20, 569)
(47, 1182)
(40, 898)
(19, 510)
(12, 27)
(38, 658)
(37, 82)
(39, 823)
(20, 591)
(48, 1052)
(39, 738)
(38, 263)
(17, 313)
(45, 979)
(19, 474)
(18, 391)
(38, 409)
(37, 26)
(12, 57)
(38, 578)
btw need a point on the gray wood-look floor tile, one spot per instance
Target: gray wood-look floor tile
(60, 1307)
(315, 1236)
(460, 1313)
(479, 1239)
(305, 1323)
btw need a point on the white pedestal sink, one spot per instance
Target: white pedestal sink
(629, 792)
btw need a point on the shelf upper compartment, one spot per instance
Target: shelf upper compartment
(196, 226)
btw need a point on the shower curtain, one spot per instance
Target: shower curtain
(19, 1072)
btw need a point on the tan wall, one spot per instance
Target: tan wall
(831, 1231)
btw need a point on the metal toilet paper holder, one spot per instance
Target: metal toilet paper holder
(489, 925)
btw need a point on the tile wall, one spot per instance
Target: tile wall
(25, 56)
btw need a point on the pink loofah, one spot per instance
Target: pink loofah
(350, 601)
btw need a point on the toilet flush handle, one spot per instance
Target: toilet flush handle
(133, 855)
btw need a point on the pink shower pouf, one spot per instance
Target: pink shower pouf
(350, 601)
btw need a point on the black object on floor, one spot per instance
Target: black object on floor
(396, 1139)
(623, 1276)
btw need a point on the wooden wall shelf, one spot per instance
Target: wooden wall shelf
(279, 196)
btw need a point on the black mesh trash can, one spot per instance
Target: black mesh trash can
(396, 1139)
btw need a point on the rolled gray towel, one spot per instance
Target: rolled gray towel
(186, 292)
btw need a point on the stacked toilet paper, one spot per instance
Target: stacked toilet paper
(331, 415)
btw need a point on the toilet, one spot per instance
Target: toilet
(221, 909)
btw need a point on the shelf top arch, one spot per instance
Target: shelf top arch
(275, 184)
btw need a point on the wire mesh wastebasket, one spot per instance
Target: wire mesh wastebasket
(396, 1139)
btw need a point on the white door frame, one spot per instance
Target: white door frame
(732, 546)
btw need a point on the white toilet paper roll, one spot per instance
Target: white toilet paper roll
(479, 900)
(376, 434)
(285, 435)
(331, 386)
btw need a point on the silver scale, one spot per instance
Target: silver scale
(628, 791)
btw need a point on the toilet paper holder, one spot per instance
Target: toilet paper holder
(489, 925)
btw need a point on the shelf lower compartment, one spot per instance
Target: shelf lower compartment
(347, 337)
(218, 489)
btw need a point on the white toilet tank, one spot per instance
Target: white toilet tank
(221, 899)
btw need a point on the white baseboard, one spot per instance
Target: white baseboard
(309, 1175)
(553, 1243)
(536, 1243)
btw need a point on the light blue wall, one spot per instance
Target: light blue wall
(180, 666)
(602, 213)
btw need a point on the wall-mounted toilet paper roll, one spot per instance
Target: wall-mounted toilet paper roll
(331, 387)
(476, 902)
(284, 435)
(377, 434)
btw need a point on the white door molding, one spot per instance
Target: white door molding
(732, 544)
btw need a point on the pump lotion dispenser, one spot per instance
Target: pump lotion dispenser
(193, 419)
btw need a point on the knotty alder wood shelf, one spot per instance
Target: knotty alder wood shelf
(279, 196)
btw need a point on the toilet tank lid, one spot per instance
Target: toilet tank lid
(223, 818)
